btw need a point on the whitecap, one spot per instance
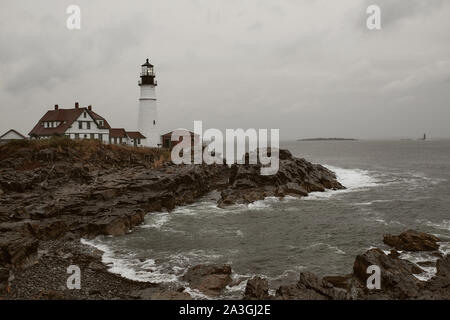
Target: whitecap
(196, 294)
(416, 257)
(133, 269)
(261, 204)
(443, 225)
(334, 248)
(352, 179)
(156, 220)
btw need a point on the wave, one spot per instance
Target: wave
(443, 225)
(156, 220)
(352, 179)
(321, 244)
(130, 267)
(262, 204)
(417, 257)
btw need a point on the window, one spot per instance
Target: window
(100, 122)
(100, 136)
(77, 136)
(85, 136)
(154, 122)
(139, 140)
(88, 124)
(80, 124)
(84, 115)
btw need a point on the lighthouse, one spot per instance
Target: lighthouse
(148, 110)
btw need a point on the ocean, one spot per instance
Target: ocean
(392, 186)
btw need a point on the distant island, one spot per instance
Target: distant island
(328, 139)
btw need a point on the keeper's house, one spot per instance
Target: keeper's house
(82, 123)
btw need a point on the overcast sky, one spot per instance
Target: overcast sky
(308, 67)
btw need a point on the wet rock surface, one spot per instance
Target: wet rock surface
(412, 241)
(87, 189)
(208, 279)
(295, 177)
(52, 197)
(257, 288)
(397, 280)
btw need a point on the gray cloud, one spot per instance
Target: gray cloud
(310, 68)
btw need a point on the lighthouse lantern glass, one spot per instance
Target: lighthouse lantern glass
(147, 71)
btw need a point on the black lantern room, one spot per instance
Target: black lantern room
(147, 75)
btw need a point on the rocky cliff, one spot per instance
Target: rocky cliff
(62, 189)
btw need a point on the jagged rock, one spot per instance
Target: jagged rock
(412, 241)
(6, 275)
(18, 252)
(209, 279)
(295, 176)
(339, 281)
(311, 287)
(438, 287)
(397, 275)
(293, 188)
(398, 280)
(443, 267)
(257, 288)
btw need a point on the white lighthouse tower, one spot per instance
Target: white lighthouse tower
(148, 111)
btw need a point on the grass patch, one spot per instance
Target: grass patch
(85, 149)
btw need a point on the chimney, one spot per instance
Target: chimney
(76, 105)
(56, 107)
(90, 108)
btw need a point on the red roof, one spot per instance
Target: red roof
(117, 133)
(135, 135)
(67, 118)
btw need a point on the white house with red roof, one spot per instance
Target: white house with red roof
(82, 123)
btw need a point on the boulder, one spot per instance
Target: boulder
(397, 275)
(311, 287)
(443, 267)
(209, 279)
(412, 241)
(257, 288)
(294, 177)
(18, 252)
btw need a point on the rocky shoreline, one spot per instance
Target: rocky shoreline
(54, 193)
